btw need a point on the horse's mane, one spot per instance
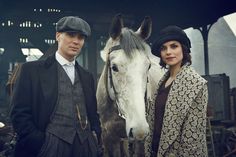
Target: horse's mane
(130, 41)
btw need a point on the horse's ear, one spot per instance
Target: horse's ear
(145, 29)
(116, 26)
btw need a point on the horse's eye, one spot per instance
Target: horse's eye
(115, 68)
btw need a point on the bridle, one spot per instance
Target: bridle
(109, 70)
(121, 113)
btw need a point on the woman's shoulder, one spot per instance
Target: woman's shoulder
(190, 72)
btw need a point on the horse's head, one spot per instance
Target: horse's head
(127, 66)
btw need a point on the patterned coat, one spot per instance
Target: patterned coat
(184, 123)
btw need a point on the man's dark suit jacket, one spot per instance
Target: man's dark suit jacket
(34, 99)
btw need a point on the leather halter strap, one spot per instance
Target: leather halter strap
(120, 112)
(114, 48)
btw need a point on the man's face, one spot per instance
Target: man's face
(69, 44)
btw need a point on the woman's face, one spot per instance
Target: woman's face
(172, 53)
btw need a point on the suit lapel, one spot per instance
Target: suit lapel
(84, 80)
(151, 112)
(151, 103)
(49, 80)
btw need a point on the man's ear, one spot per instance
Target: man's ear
(58, 36)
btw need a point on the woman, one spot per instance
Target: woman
(177, 112)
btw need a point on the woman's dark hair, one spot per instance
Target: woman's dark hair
(186, 57)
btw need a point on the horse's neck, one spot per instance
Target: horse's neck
(154, 76)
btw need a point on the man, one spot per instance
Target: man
(54, 106)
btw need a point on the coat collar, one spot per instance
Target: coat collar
(48, 79)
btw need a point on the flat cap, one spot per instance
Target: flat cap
(167, 34)
(73, 24)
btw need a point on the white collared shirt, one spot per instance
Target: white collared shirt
(68, 66)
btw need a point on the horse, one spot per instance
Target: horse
(129, 77)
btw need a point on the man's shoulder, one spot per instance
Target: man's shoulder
(32, 64)
(47, 61)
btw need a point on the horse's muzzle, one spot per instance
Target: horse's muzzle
(139, 135)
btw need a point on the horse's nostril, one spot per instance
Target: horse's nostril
(138, 134)
(131, 133)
